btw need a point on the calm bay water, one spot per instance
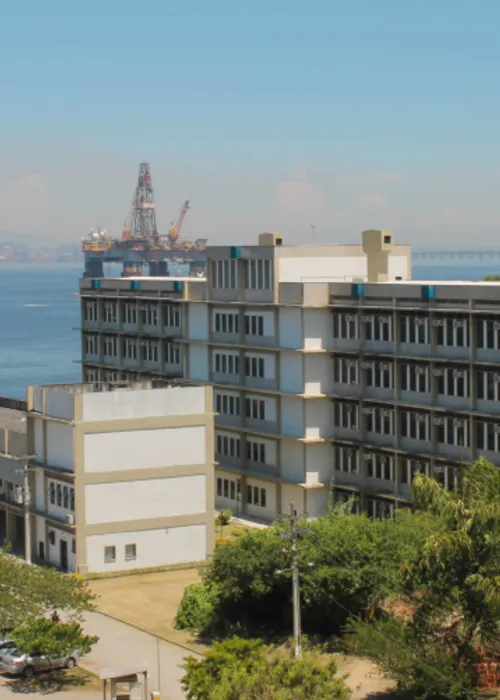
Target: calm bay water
(39, 310)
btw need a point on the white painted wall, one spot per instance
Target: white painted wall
(143, 449)
(60, 404)
(220, 501)
(270, 405)
(292, 416)
(398, 266)
(58, 512)
(37, 399)
(198, 321)
(143, 403)
(198, 362)
(39, 490)
(292, 461)
(317, 502)
(292, 494)
(290, 327)
(318, 371)
(60, 445)
(319, 463)
(269, 512)
(318, 418)
(53, 551)
(39, 533)
(334, 269)
(173, 545)
(291, 377)
(270, 446)
(126, 501)
(318, 329)
(38, 437)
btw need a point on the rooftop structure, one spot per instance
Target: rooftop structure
(327, 370)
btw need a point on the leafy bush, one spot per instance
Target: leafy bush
(225, 516)
(237, 532)
(241, 669)
(52, 638)
(197, 608)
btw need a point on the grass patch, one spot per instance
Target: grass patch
(148, 601)
(56, 682)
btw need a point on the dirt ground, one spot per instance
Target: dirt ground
(148, 601)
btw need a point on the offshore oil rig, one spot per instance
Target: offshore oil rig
(141, 246)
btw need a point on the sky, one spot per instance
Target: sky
(269, 116)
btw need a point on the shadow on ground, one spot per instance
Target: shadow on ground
(51, 682)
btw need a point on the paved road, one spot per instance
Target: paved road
(121, 644)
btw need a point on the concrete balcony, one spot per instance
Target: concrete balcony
(379, 347)
(355, 390)
(487, 355)
(380, 487)
(342, 433)
(131, 363)
(224, 420)
(260, 340)
(261, 383)
(91, 325)
(417, 398)
(417, 446)
(112, 360)
(227, 379)
(92, 357)
(452, 352)
(110, 325)
(173, 369)
(454, 452)
(355, 481)
(259, 468)
(226, 338)
(492, 407)
(131, 327)
(380, 393)
(458, 403)
(262, 426)
(380, 439)
(172, 331)
(415, 349)
(347, 345)
(150, 329)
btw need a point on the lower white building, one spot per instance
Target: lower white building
(123, 476)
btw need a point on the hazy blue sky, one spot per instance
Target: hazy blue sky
(268, 115)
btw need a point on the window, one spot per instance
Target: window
(414, 329)
(378, 374)
(255, 408)
(415, 425)
(254, 325)
(452, 382)
(151, 351)
(110, 346)
(346, 460)
(109, 555)
(172, 316)
(130, 552)
(110, 312)
(346, 371)
(172, 353)
(345, 326)
(52, 493)
(92, 376)
(59, 495)
(408, 468)
(378, 327)
(346, 415)
(131, 313)
(447, 476)
(65, 497)
(52, 537)
(72, 500)
(91, 344)
(256, 451)
(224, 274)
(452, 331)
(226, 322)
(451, 431)
(150, 314)
(256, 496)
(379, 420)
(226, 363)
(90, 311)
(227, 488)
(487, 436)
(228, 445)
(130, 349)
(487, 385)
(378, 508)
(414, 378)
(227, 404)
(73, 546)
(380, 466)
(254, 367)
(259, 274)
(341, 497)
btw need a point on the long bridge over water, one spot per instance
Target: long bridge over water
(473, 256)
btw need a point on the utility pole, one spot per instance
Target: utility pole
(25, 471)
(293, 550)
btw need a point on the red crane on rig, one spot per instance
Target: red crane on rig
(176, 226)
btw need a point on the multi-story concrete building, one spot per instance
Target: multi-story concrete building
(13, 453)
(121, 475)
(260, 330)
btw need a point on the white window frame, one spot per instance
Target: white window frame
(408, 468)
(378, 328)
(131, 313)
(256, 496)
(227, 404)
(226, 322)
(91, 311)
(172, 353)
(451, 332)
(255, 366)
(228, 445)
(130, 554)
(172, 315)
(91, 344)
(224, 274)
(415, 425)
(452, 379)
(414, 330)
(415, 378)
(254, 325)
(488, 379)
(379, 375)
(110, 346)
(346, 459)
(255, 409)
(345, 325)
(379, 421)
(454, 431)
(379, 508)
(256, 451)
(110, 312)
(259, 274)
(488, 436)
(346, 415)
(109, 554)
(131, 350)
(226, 363)
(381, 465)
(346, 370)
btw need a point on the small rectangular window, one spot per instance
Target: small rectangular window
(73, 546)
(219, 487)
(130, 552)
(109, 555)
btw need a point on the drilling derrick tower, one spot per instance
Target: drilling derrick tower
(143, 224)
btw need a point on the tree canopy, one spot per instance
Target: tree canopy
(241, 669)
(54, 639)
(29, 592)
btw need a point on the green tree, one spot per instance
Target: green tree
(454, 616)
(357, 564)
(240, 669)
(54, 639)
(29, 592)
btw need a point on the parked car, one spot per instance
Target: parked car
(5, 643)
(17, 664)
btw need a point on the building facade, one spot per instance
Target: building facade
(122, 476)
(13, 453)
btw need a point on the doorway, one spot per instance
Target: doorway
(41, 551)
(63, 550)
